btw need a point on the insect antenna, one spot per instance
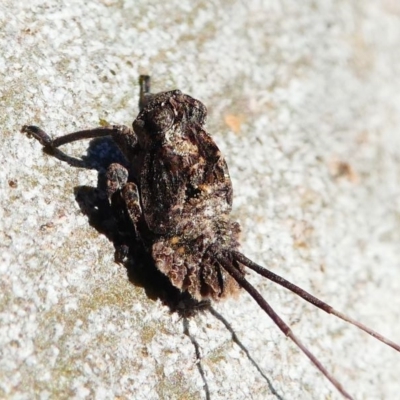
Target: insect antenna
(239, 257)
(229, 266)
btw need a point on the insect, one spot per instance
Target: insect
(176, 196)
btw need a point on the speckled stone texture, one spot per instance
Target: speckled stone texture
(303, 100)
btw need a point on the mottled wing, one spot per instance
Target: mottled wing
(184, 178)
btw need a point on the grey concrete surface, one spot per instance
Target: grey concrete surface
(304, 101)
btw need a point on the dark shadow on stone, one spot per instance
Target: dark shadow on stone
(112, 221)
(235, 338)
(196, 346)
(100, 154)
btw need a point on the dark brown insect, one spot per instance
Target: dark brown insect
(176, 195)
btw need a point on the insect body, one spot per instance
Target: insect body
(177, 195)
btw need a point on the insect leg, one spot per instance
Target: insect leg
(309, 297)
(124, 200)
(117, 177)
(245, 284)
(130, 194)
(46, 141)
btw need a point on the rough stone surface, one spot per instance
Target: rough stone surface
(304, 101)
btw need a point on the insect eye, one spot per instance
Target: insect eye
(160, 120)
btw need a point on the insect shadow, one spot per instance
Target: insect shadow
(140, 267)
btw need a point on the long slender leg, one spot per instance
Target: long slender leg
(245, 284)
(309, 297)
(40, 135)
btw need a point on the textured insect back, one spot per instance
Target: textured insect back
(186, 195)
